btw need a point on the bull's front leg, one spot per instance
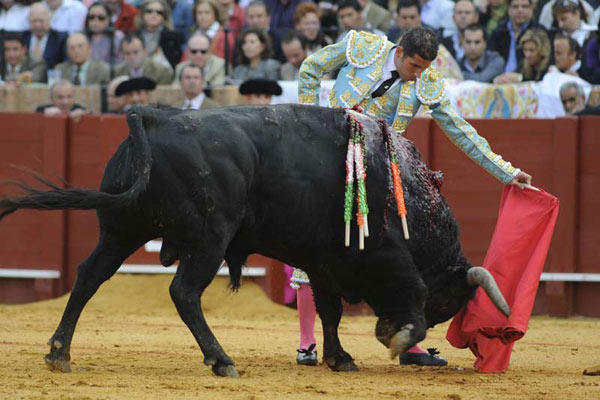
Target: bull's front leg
(329, 307)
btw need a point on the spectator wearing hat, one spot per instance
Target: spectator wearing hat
(192, 86)
(62, 96)
(213, 67)
(259, 92)
(42, 41)
(295, 48)
(137, 63)
(115, 103)
(81, 69)
(135, 91)
(17, 65)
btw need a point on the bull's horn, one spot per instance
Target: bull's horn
(481, 277)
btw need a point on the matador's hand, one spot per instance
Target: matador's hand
(521, 179)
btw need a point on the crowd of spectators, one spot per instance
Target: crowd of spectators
(171, 42)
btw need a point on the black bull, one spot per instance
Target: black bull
(227, 183)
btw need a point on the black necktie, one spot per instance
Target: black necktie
(385, 85)
(76, 80)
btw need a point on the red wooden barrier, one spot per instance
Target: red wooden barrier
(32, 239)
(560, 154)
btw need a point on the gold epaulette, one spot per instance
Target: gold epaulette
(364, 48)
(430, 87)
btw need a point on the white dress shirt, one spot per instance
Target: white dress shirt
(16, 19)
(69, 17)
(195, 103)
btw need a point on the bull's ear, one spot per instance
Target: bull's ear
(479, 276)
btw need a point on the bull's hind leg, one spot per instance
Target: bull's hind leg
(104, 261)
(196, 270)
(329, 307)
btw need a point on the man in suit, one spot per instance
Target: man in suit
(18, 66)
(192, 86)
(213, 67)
(43, 42)
(137, 63)
(375, 16)
(506, 36)
(465, 14)
(392, 82)
(80, 69)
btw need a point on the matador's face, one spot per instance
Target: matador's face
(409, 67)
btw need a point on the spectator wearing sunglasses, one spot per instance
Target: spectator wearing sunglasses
(122, 15)
(137, 64)
(154, 24)
(104, 39)
(199, 54)
(208, 17)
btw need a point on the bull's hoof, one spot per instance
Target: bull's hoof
(345, 363)
(400, 341)
(225, 370)
(57, 362)
(345, 367)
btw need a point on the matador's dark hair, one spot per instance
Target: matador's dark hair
(420, 40)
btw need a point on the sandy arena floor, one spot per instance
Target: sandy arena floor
(131, 344)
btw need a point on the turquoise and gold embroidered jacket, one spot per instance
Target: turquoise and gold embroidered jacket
(361, 57)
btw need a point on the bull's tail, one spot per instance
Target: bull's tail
(85, 199)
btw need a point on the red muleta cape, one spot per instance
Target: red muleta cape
(516, 259)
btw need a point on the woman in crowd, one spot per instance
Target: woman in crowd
(307, 22)
(208, 21)
(254, 52)
(155, 27)
(570, 17)
(99, 30)
(536, 60)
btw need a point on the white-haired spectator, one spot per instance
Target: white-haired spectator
(42, 41)
(67, 15)
(62, 96)
(572, 97)
(14, 16)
